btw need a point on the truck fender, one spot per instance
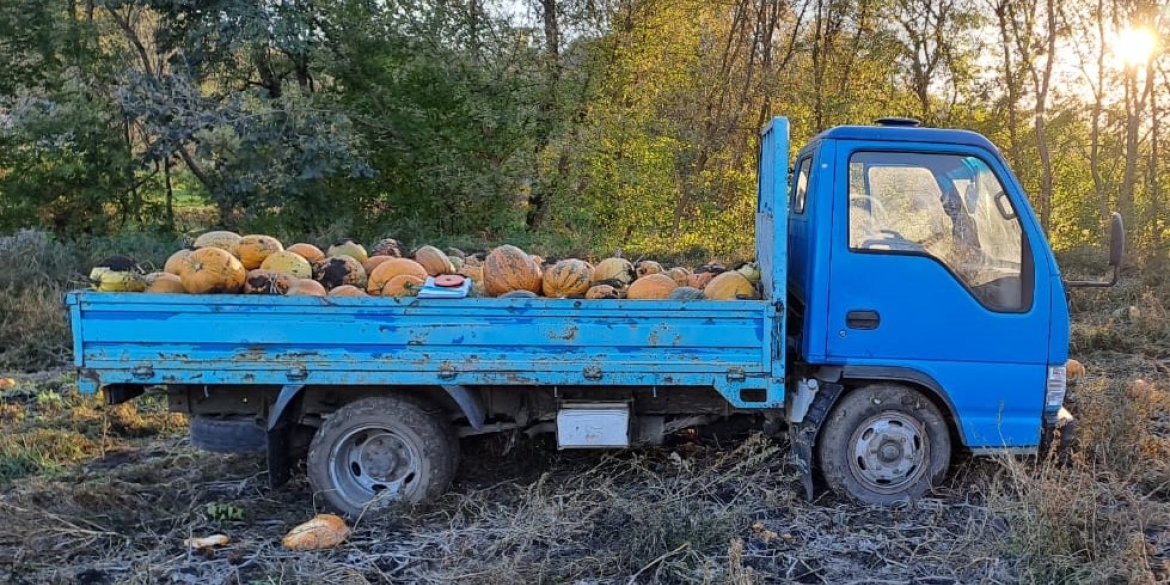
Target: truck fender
(803, 435)
(280, 425)
(469, 403)
(931, 388)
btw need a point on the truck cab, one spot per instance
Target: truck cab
(917, 268)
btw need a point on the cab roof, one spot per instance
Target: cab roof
(906, 134)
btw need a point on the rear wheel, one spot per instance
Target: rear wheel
(884, 444)
(377, 451)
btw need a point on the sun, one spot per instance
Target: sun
(1134, 46)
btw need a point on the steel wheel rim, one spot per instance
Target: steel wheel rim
(888, 452)
(374, 466)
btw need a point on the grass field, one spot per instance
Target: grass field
(99, 494)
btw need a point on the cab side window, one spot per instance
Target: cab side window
(800, 185)
(951, 208)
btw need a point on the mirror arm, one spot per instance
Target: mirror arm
(1095, 283)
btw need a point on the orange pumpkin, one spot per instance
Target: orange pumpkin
(290, 263)
(647, 267)
(403, 285)
(335, 271)
(221, 239)
(349, 248)
(166, 283)
(305, 287)
(212, 270)
(391, 268)
(433, 260)
(679, 275)
(267, 282)
(347, 290)
(508, 268)
(699, 280)
(474, 272)
(176, 261)
(252, 250)
(730, 285)
(601, 291)
(652, 286)
(307, 251)
(373, 262)
(567, 278)
(619, 271)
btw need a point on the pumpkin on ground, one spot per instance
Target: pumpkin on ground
(567, 278)
(387, 270)
(730, 286)
(433, 260)
(347, 290)
(221, 239)
(166, 283)
(686, 293)
(348, 248)
(307, 251)
(601, 291)
(176, 261)
(305, 287)
(651, 286)
(403, 285)
(508, 268)
(290, 263)
(253, 250)
(266, 282)
(335, 271)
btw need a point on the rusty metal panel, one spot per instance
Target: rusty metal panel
(243, 339)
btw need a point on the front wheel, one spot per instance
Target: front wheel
(884, 444)
(377, 451)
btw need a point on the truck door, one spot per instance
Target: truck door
(933, 278)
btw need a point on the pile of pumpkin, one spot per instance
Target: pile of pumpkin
(225, 262)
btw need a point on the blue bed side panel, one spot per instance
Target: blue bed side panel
(134, 338)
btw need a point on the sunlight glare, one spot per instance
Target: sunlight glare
(1134, 46)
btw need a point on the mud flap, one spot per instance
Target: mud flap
(803, 435)
(279, 433)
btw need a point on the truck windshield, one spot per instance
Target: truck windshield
(951, 208)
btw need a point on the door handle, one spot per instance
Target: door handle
(862, 319)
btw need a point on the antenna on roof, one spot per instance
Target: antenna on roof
(897, 122)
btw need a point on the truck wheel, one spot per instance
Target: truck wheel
(884, 444)
(376, 451)
(228, 434)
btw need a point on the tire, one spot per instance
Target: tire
(883, 444)
(375, 452)
(228, 434)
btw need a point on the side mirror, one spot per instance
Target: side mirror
(1116, 254)
(1116, 241)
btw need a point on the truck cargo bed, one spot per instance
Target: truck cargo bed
(131, 338)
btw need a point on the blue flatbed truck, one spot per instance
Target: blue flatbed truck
(911, 307)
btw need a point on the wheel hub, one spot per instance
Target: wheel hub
(889, 451)
(372, 463)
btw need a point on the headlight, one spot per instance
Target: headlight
(1057, 383)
